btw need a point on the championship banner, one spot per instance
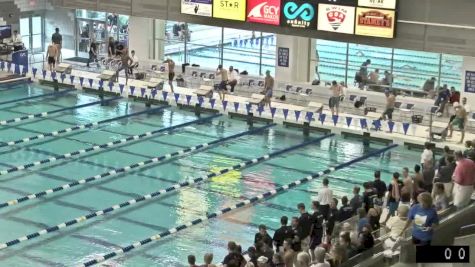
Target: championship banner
(264, 11)
(375, 22)
(197, 7)
(336, 18)
(227, 9)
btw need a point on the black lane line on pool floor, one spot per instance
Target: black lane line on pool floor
(219, 213)
(45, 114)
(170, 189)
(51, 176)
(81, 127)
(135, 139)
(139, 165)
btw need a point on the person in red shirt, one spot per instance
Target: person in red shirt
(464, 180)
(454, 95)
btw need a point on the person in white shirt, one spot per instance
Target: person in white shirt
(427, 155)
(233, 78)
(17, 41)
(325, 197)
(466, 106)
(135, 62)
(396, 224)
(16, 38)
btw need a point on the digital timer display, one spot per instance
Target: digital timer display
(443, 254)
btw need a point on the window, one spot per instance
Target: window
(357, 54)
(203, 45)
(331, 60)
(412, 68)
(210, 46)
(341, 61)
(450, 71)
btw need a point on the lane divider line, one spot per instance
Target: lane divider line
(104, 146)
(154, 194)
(46, 114)
(128, 168)
(204, 218)
(37, 96)
(78, 127)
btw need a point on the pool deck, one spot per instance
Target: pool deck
(416, 135)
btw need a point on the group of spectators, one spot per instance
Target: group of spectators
(328, 235)
(372, 79)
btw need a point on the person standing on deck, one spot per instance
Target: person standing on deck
(171, 72)
(52, 54)
(334, 101)
(57, 39)
(460, 120)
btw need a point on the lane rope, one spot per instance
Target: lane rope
(253, 200)
(78, 127)
(46, 114)
(37, 96)
(155, 194)
(104, 146)
(129, 168)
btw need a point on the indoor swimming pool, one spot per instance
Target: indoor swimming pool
(52, 172)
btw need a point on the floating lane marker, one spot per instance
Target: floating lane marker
(127, 168)
(37, 96)
(104, 146)
(255, 199)
(153, 195)
(46, 114)
(78, 127)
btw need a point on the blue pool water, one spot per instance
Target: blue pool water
(81, 242)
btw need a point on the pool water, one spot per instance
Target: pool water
(81, 242)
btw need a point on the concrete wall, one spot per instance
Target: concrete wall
(141, 37)
(416, 28)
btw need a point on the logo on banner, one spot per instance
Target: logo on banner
(264, 11)
(335, 18)
(299, 14)
(197, 7)
(230, 9)
(375, 22)
(389, 4)
(375, 18)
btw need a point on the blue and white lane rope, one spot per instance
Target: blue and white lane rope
(78, 127)
(37, 96)
(154, 194)
(129, 168)
(46, 114)
(104, 146)
(241, 204)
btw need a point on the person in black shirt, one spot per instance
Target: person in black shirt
(394, 195)
(356, 201)
(428, 174)
(306, 225)
(332, 216)
(262, 237)
(316, 233)
(346, 211)
(296, 235)
(365, 238)
(92, 53)
(281, 234)
(233, 256)
(252, 253)
(369, 195)
(445, 173)
(441, 163)
(111, 47)
(380, 187)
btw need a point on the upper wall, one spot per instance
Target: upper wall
(418, 26)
